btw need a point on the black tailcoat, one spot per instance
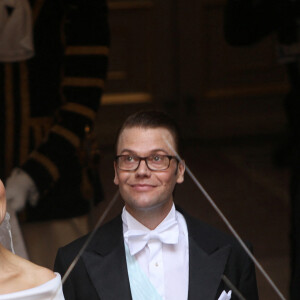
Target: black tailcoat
(101, 272)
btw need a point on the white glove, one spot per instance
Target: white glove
(19, 188)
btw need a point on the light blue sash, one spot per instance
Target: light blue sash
(140, 285)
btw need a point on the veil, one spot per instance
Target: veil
(5, 234)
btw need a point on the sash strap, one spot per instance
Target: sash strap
(140, 285)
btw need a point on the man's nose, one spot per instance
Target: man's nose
(143, 169)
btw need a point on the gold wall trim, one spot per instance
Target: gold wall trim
(125, 98)
(66, 134)
(118, 5)
(83, 82)
(80, 109)
(266, 89)
(47, 163)
(116, 75)
(87, 50)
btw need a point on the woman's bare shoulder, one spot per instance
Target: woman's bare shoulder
(22, 274)
(38, 274)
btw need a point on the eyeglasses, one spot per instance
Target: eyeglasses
(155, 162)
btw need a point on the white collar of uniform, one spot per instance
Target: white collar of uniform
(16, 41)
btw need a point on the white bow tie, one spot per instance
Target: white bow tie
(167, 233)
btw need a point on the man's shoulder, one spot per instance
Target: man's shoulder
(94, 238)
(209, 237)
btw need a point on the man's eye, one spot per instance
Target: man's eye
(129, 158)
(157, 158)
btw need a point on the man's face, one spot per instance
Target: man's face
(144, 189)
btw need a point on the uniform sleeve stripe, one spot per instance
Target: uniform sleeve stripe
(80, 109)
(66, 134)
(87, 50)
(83, 82)
(47, 163)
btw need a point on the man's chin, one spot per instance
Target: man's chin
(147, 205)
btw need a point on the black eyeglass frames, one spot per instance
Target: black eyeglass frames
(155, 162)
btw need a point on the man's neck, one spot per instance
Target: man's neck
(151, 217)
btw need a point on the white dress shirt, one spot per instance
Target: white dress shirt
(166, 265)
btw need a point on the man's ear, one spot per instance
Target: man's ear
(116, 178)
(180, 171)
(2, 202)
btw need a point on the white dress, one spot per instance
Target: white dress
(51, 290)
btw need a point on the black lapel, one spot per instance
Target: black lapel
(205, 271)
(106, 263)
(207, 259)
